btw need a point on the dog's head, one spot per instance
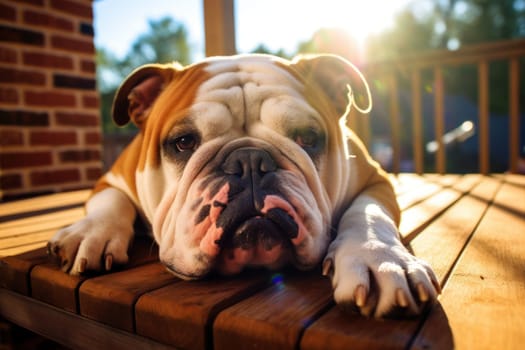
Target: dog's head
(241, 160)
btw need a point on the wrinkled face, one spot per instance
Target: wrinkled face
(241, 171)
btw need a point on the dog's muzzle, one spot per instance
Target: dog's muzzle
(248, 219)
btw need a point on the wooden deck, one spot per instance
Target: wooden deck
(471, 228)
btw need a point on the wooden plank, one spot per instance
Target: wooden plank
(439, 244)
(337, 330)
(51, 285)
(111, 298)
(416, 218)
(181, 314)
(25, 240)
(444, 239)
(42, 204)
(514, 179)
(483, 300)
(24, 248)
(40, 222)
(276, 317)
(66, 328)
(445, 180)
(468, 54)
(418, 194)
(483, 106)
(14, 270)
(406, 182)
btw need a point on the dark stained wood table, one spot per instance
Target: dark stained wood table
(471, 229)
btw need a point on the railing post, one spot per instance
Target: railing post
(483, 105)
(417, 133)
(394, 122)
(438, 120)
(514, 105)
(219, 27)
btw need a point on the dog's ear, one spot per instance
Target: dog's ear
(338, 78)
(137, 93)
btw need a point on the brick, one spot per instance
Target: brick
(49, 99)
(11, 137)
(45, 60)
(53, 138)
(52, 177)
(88, 66)
(21, 36)
(10, 182)
(72, 45)
(15, 160)
(9, 95)
(74, 156)
(18, 76)
(90, 101)
(93, 138)
(31, 2)
(41, 19)
(73, 8)
(8, 55)
(93, 174)
(7, 12)
(72, 82)
(76, 119)
(23, 118)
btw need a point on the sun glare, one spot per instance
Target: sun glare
(360, 20)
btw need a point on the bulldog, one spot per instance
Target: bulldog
(246, 161)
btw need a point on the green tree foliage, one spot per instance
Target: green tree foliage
(165, 41)
(449, 24)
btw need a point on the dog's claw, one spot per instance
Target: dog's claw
(360, 295)
(82, 266)
(422, 293)
(328, 269)
(401, 298)
(108, 262)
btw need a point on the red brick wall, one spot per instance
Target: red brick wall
(50, 136)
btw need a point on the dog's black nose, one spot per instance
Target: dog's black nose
(249, 163)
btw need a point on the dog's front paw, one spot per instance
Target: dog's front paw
(381, 281)
(91, 244)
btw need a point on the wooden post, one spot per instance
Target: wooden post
(417, 131)
(439, 120)
(219, 27)
(483, 105)
(395, 123)
(514, 105)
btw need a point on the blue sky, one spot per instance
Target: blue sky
(276, 23)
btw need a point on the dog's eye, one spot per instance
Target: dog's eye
(311, 140)
(306, 138)
(181, 147)
(185, 143)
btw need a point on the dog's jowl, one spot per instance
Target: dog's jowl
(246, 161)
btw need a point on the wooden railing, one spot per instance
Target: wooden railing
(412, 66)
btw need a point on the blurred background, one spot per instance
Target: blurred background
(376, 35)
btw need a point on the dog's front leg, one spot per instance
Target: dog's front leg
(370, 268)
(101, 238)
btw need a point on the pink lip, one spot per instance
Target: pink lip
(234, 259)
(273, 201)
(208, 229)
